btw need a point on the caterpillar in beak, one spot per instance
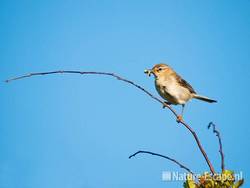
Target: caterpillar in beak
(148, 72)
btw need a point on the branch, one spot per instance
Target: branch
(217, 133)
(137, 86)
(200, 146)
(96, 73)
(165, 157)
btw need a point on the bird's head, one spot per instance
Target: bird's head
(158, 70)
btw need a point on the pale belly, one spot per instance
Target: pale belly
(173, 93)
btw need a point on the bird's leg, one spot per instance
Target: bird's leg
(180, 117)
(182, 110)
(167, 103)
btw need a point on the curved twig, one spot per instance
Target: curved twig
(98, 73)
(137, 86)
(165, 157)
(217, 133)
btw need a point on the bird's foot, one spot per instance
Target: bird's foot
(179, 118)
(167, 103)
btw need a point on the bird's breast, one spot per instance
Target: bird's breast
(172, 91)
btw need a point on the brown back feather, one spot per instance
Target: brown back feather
(185, 84)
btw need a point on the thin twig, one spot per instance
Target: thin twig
(199, 145)
(165, 157)
(97, 73)
(137, 86)
(217, 133)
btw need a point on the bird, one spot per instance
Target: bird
(173, 88)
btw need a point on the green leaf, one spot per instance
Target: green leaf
(228, 172)
(238, 183)
(190, 184)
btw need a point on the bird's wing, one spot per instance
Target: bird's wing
(185, 84)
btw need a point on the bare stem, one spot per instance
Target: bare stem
(165, 157)
(137, 86)
(217, 133)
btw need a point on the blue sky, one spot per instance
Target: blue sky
(75, 131)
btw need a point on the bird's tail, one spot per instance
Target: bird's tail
(204, 98)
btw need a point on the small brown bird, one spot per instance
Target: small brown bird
(173, 88)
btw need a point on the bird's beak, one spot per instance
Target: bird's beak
(148, 72)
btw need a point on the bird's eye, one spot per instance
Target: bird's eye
(159, 69)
